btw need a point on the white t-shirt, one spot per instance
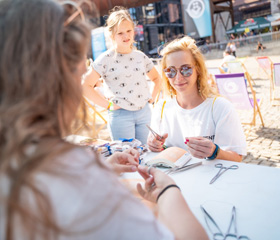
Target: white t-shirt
(125, 78)
(86, 196)
(227, 58)
(221, 125)
(232, 47)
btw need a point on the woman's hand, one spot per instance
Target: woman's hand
(155, 182)
(200, 147)
(126, 161)
(156, 145)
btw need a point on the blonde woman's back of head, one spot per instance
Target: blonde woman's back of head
(38, 59)
(188, 44)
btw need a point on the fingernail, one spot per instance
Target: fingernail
(162, 149)
(187, 140)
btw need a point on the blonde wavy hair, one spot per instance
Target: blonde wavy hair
(187, 44)
(41, 44)
(116, 16)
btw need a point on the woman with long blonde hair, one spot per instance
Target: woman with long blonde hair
(51, 189)
(194, 117)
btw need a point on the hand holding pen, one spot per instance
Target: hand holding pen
(156, 141)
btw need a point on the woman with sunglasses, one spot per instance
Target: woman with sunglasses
(194, 118)
(49, 188)
(125, 71)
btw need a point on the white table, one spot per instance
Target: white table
(254, 191)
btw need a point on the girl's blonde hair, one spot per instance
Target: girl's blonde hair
(116, 16)
(187, 44)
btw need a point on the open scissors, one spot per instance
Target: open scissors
(222, 170)
(234, 235)
(183, 168)
(218, 235)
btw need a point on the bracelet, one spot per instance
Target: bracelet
(110, 106)
(215, 153)
(163, 190)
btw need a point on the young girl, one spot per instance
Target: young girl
(195, 118)
(124, 72)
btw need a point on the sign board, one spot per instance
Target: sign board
(197, 18)
(139, 33)
(98, 42)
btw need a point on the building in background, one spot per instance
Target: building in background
(207, 21)
(245, 9)
(157, 23)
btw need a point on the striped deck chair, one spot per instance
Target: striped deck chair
(265, 64)
(212, 71)
(233, 87)
(242, 59)
(275, 83)
(238, 67)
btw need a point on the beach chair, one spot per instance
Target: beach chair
(238, 67)
(94, 119)
(275, 83)
(212, 71)
(266, 65)
(242, 59)
(233, 87)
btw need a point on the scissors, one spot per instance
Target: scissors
(219, 234)
(183, 168)
(222, 170)
(156, 135)
(233, 223)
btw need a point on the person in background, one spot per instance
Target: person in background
(227, 58)
(259, 46)
(233, 49)
(49, 188)
(194, 118)
(228, 49)
(124, 71)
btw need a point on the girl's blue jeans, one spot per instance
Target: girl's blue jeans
(130, 124)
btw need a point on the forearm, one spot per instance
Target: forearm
(157, 87)
(229, 155)
(94, 96)
(174, 212)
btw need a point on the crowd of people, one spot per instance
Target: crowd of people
(53, 189)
